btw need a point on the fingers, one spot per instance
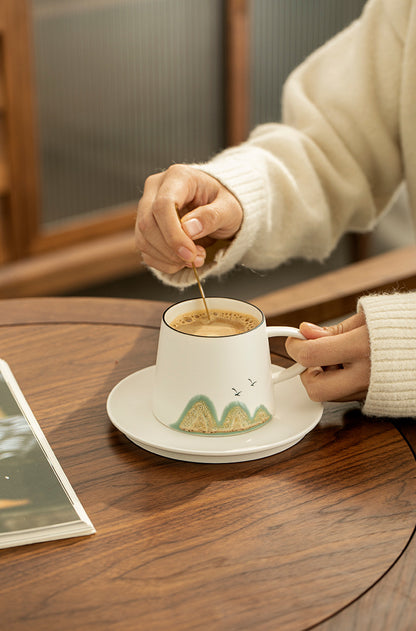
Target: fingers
(152, 259)
(337, 359)
(159, 234)
(327, 346)
(207, 210)
(205, 221)
(313, 331)
(347, 383)
(329, 350)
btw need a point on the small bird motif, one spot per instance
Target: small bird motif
(252, 382)
(236, 392)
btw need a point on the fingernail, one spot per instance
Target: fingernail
(185, 254)
(192, 227)
(315, 327)
(199, 260)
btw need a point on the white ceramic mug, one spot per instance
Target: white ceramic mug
(217, 385)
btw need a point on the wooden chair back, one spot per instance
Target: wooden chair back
(335, 294)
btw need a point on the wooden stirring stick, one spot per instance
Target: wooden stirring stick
(201, 290)
(197, 277)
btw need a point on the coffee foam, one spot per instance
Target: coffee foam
(221, 323)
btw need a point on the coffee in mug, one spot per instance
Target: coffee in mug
(219, 384)
(220, 323)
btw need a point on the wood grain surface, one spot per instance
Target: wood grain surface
(317, 536)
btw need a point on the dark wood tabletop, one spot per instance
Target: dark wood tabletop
(319, 536)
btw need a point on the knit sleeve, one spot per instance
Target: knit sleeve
(391, 322)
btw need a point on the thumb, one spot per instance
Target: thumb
(220, 221)
(313, 331)
(204, 221)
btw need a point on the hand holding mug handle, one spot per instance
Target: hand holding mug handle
(286, 331)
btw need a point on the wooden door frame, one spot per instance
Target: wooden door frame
(20, 172)
(237, 70)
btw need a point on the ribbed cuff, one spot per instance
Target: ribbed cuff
(391, 322)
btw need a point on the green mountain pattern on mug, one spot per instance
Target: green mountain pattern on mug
(199, 417)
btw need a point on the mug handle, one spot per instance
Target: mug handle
(286, 331)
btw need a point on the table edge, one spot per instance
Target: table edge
(73, 309)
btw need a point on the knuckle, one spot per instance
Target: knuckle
(176, 170)
(176, 174)
(159, 206)
(151, 180)
(142, 247)
(142, 224)
(139, 242)
(336, 329)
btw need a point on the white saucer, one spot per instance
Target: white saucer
(129, 409)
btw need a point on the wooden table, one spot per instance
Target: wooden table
(319, 536)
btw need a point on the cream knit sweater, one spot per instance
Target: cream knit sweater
(347, 142)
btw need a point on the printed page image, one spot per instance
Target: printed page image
(31, 495)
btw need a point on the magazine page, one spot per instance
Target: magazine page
(37, 502)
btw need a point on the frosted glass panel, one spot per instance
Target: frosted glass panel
(124, 88)
(283, 33)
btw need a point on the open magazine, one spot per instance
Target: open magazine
(37, 502)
